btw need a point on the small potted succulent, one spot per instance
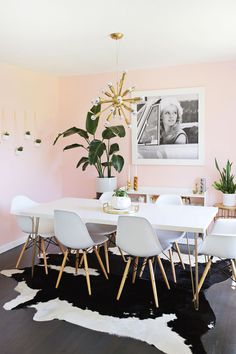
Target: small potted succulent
(19, 150)
(226, 184)
(37, 142)
(27, 135)
(120, 199)
(5, 135)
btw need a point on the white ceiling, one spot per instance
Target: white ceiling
(71, 36)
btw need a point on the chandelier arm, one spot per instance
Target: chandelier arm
(105, 101)
(105, 109)
(111, 87)
(127, 107)
(132, 100)
(127, 121)
(108, 94)
(121, 83)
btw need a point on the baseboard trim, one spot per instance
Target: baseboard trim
(13, 244)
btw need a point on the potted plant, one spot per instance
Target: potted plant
(100, 153)
(5, 136)
(226, 184)
(19, 150)
(120, 199)
(37, 142)
(27, 135)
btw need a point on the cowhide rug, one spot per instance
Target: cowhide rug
(175, 327)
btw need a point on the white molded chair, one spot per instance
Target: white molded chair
(171, 236)
(220, 243)
(36, 234)
(136, 236)
(73, 234)
(103, 229)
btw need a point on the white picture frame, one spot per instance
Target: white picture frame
(150, 144)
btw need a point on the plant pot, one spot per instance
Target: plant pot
(120, 202)
(106, 184)
(229, 199)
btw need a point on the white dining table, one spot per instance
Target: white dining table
(185, 218)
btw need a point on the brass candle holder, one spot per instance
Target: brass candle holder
(128, 185)
(135, 183)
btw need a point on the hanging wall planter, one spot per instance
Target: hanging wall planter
(37, 142)
(19, 150)
(27, 135)
(5, 136)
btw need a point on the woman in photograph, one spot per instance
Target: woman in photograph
(170, 119)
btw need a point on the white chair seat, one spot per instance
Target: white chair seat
(169, 236)
(98, 239)
(100, 229)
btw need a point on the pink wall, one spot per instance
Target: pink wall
(219, 80)
(37, 172)
(47, 173)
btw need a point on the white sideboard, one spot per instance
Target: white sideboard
(149, 194)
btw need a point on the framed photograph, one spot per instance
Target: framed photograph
(168, 128)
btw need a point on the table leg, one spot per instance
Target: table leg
(35, 227)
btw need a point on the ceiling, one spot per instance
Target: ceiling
(67, 37)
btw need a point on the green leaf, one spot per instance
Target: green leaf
(85, 165)
(117, 162)
(72, 131)
(111, 132)
(82, 160)
(91, 125)
(72, 146)
(114, 148)
(96, 149)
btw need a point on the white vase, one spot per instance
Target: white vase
(106, 184)
(229, 199)
(120, 202)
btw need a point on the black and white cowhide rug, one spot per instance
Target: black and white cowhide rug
(175, 327)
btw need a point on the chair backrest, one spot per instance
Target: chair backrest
(169, 199)
(21, 202)
(70, 230)
(106, 197)
(222, 240)
(136, 236)
(224, 227)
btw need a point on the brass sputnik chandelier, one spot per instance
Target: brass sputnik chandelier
(117, 98)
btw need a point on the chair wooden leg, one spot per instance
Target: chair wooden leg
(154, 289)
(135, 268)
(35, 240)
(100, 262)
(22, 251)
(44, 255)
(233, 269)
(81, 261)
(143, 267)
(172, 265)
(179, 254)
(204, 274)
(62, 268)
(124, 278)
(76, 261)
(87, 272)
(163, 272)
(106, 257)
(59, 245)
(122, 255)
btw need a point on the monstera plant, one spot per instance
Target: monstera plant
(100, 153)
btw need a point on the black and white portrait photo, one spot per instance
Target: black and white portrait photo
(168, 127)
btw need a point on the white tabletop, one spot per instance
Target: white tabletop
(166, 217)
